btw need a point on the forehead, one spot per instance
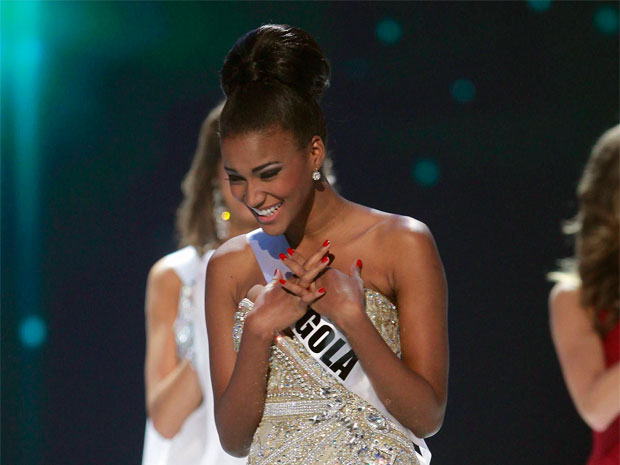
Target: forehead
(253, 148)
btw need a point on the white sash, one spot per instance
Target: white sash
(324, 341)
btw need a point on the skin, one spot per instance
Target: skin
(173, 390)
(595, 389)
(266, 168)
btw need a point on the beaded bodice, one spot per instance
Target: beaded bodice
(311, 418)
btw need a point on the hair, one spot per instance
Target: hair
(596, 227)
(195, 224)
(275, 75)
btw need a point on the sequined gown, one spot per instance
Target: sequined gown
(310, 418)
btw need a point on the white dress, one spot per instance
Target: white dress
(197, 443)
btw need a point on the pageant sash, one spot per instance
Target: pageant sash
(324, 341)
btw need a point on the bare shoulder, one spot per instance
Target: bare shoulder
(565, 306)
(404, 234)
(162, 290)
(234, 267)
(163, 276)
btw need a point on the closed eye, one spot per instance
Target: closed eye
(270, 173)
(234, 178)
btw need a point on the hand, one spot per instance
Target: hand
(275, 307)
(343, 300)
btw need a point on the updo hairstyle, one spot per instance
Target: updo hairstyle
(275, 75)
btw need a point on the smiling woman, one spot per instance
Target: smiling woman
(361, 376)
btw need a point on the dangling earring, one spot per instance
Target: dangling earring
(220, 214)
(316, 175)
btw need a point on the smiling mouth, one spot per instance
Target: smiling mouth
(267, 211)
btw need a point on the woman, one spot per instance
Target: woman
(360, 377)
(584, 304)
(180, 427)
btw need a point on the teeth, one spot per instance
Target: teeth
(267, 211)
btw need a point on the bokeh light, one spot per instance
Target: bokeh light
(606, 20)
(32, 331)
(539, 5)
(425, 172)
(225, 215)
(389, 31)
(463, 90)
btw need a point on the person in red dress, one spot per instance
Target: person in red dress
(584, 302)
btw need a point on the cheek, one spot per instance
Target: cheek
(237, 191)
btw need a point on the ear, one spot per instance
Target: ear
(317, 152)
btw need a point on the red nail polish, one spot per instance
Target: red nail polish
(290, 251)
(283, 256)
(275, 272)
(325, 259)
(326, 243)
(358, 263)
(283, 281)
(322, 290)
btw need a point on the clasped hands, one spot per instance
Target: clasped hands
(335, 295)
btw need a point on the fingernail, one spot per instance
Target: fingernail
(275, 272)
(358, 263)
(326, 243)
(322, 290)
(283, 256)
(283, 281)
(290, 251)
(325, 259)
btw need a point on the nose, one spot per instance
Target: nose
(253, 196)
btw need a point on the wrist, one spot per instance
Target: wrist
(350, 319)
(256, 328)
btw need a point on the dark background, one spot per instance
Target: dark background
(101, 107)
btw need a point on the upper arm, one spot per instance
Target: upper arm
(421, 294)
(578, 345)
(223, 288)
(161, 307)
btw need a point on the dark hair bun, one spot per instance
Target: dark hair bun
(281, 53)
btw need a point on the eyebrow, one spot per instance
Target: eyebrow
(254, 170)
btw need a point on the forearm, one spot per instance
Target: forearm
(407, 395)
(601, 403)
(240, 408)
(174, 398)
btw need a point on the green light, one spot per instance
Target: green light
(606, 20)
(463, 90)
(425, 172)
(389, 31)
(539, 5)
(32, 331)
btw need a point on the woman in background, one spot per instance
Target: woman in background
(584, 303)
(180, 427)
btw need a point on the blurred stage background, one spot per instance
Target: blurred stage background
(475, 118)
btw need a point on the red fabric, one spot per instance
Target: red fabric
(606, 444)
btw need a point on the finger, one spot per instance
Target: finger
(254, 291)
(293, 262)
(317, 256)
(356, 269)
(310, 275)
(311, 297)
(293, 288)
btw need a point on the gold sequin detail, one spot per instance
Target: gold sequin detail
(310, 418)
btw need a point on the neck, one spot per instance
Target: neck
(314, 222)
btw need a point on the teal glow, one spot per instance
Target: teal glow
(463, 90)
(539, 5)
(425, 172)
(32, 331)
(606, 20)
(389, 31)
